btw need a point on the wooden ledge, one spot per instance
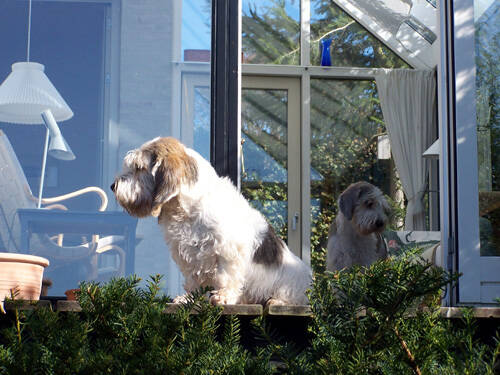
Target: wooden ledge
(63, 305)
(478, 312)
(253, 310)
(26, 305)
(288, 310)
(245, 310)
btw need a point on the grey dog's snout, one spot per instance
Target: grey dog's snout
(379, 223)
(112, 187)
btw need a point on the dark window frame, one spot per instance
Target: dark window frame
(224, 89)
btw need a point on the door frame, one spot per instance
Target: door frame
(480, 280)
(293, 87)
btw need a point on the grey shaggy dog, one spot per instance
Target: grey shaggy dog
(355, 235)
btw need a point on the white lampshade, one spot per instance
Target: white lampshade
(58, 147)
(26, 92)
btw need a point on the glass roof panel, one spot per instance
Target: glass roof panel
(352, 45)
(408, 27)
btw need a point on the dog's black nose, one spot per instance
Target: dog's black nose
(112, 187)
(379, 223)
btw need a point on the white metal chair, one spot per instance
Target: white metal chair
(15, 194)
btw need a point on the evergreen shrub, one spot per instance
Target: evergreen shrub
(383, 319)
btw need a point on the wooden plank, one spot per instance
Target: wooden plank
(288, 310)
(26, 305)
(479, 312)
(256, 310)
(63, 305)
(246, 310)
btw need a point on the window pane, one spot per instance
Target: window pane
(271, 32)
(264, 180)
(487, 19)
(351, 44)
(348, 144)
(130, 71)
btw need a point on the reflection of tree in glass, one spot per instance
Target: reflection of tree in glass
(264, 177)
(269, 33)
(201, 121)
(487, 40)
(271, 36)
(352, 45)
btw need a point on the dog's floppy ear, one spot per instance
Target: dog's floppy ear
(347, 201)
(137, 159)
(386, 206)
(350, 197)
(171, 167)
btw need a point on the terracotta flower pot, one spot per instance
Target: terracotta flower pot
(22, 273)
(71, 294)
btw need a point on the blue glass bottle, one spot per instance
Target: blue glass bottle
(326, 59)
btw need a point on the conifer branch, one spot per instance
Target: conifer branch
(411, 357)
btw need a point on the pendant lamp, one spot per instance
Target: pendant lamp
(27, 92)
(28, 97)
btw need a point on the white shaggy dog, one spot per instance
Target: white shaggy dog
(215, 236)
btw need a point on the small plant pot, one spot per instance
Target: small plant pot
(71, 294)
(21, 274)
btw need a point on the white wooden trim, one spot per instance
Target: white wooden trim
(111, 131)
(192, 66)
(190, 81)
(313, 71)
(175, 109)
(481, 279)
(182, 71)
(305, 151)
(466, 146)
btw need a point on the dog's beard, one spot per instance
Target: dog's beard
(366, 224)
(134, 192)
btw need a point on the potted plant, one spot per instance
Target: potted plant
(21, 274)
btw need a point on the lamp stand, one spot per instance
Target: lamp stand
(44, 162)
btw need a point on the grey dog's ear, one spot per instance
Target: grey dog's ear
(351, 196)
(347, 201)
(386, 206)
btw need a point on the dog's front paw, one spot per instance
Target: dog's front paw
(224, 297)
(181, 299)
(276, 302)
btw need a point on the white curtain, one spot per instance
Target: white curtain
(408, 101)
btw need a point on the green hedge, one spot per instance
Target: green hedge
(380, 320)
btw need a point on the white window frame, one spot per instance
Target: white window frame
(294, 211)
(197, 76)
(480, 281)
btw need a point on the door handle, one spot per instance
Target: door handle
(295, 220)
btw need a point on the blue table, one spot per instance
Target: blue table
(103, 223)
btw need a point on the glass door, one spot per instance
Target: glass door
(270, 152)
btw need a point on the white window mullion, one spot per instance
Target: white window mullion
(305, 32)
(305, 149)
